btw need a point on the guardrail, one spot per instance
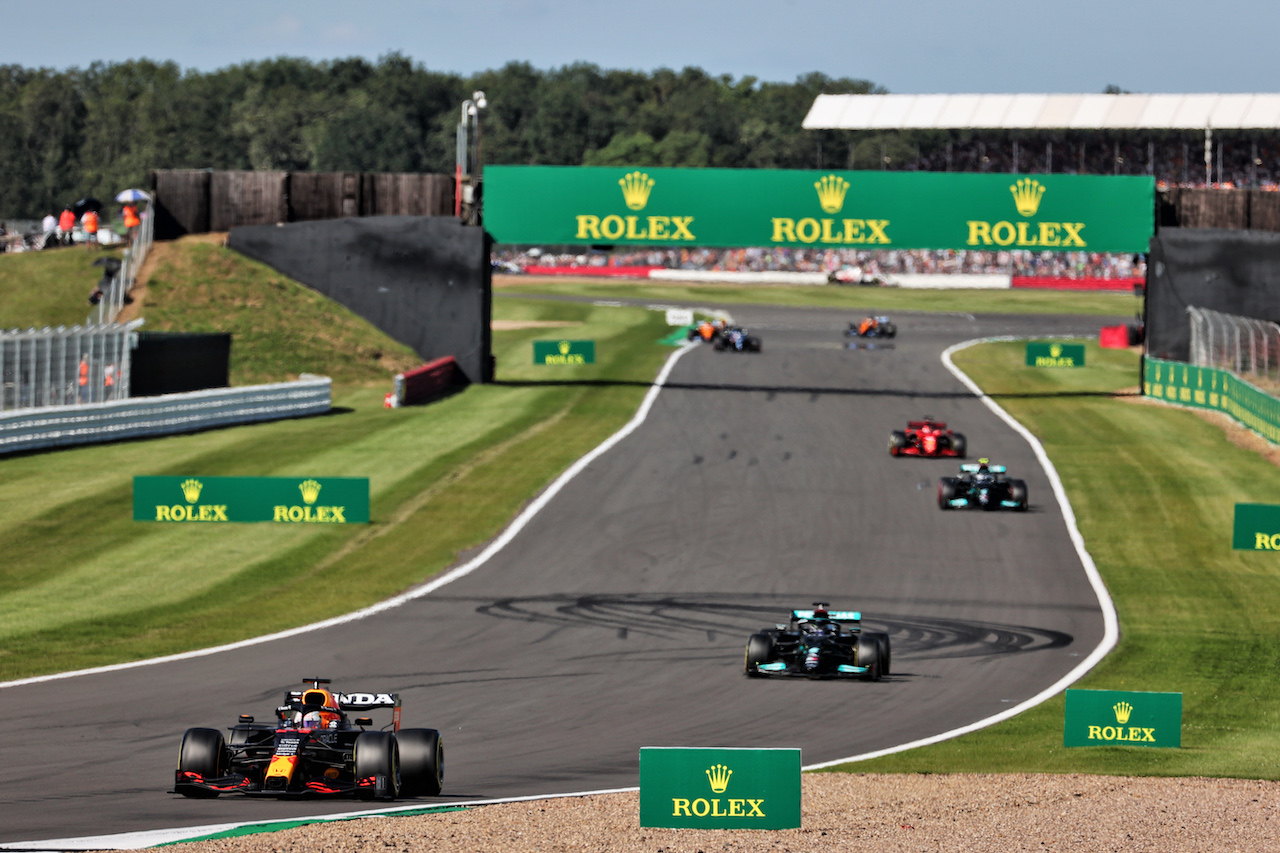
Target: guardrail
(141, 417)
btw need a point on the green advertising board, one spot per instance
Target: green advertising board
(287, 500)
(819, 209)
(564, 352)
(1211, 388)
(690, 788)
(1122, 718)
(1256, 527)
(1055, 355)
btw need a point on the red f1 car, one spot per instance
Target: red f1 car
(926, 437)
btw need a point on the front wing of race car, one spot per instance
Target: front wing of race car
(794, 668)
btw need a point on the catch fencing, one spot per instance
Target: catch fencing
(82, 365)
(115, 291)
(1245, 346)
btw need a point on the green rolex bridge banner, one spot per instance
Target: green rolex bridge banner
(1122, 718)
(826, 209)
(719, 788)
(286, 500)
(1211, 388)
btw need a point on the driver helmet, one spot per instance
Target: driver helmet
(982, 465)
(320, 710)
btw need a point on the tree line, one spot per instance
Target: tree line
(97, 130)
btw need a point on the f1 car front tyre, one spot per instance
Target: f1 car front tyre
(759, 650)
(421, 762)
(376, 755)
(883, 639)
(887, 330)
(946, 492)
(1018, 494)
(752, 344)
(958, 444)
(897, 441)
(869, 655)
(203, 751)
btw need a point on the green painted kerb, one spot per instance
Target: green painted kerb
(685, 788)
(1210, 388)
(557, 205)
(564, 352)
(1256, 527)
(1122, 718)
(286, 500)
(1055, 355)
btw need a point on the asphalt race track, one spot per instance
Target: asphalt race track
(618, 617)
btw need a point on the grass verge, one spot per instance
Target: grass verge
(1153, 488)
(49, 288)
(862, 299)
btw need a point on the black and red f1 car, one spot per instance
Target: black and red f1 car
(819, 643)
(926, 437)
(313, 749)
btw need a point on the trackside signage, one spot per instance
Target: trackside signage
(1210, 388)
(1256, 527)
(1055, 355)
(285, 500)
(564, 352)
(819, 209)
(685, 788)
(1122, 718)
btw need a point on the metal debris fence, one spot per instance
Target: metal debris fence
(1245, 346)
(81, 365)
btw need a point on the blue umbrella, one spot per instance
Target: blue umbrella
(132, 195)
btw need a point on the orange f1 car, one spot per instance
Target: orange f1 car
(926, 437)
(313, 749)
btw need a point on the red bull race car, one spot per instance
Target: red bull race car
(927, 437)
(314, 748)
(819, 643)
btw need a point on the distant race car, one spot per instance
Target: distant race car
(872, 327)
(819, 643)
(984, 486)
(707, 331)
(927, 437)
(313, 749)
(737, 339)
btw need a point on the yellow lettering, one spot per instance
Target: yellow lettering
(755, 808)
(336, 512)
(1023, 239)
(735, 808)
(1072, 237)
(1005, 229)
(180, 512)
(715, 809)
(1135, 733)
(853, 231)
(162, 513)
(784, 230)
(682, 224)
(281, 514)
(680, 806)
(588, 227)
(807, 230)
(632, 234)
(1148, 735)
(1275, 542)
(827, 236)
(206, 513)
(295, 513)
(220, 512)
(1048, 233)
(877, 227)
(1095, 732)
(701, 808)
(658, 227)
(322, 513)
(1109, 732)
(613, 227)
(979, 232)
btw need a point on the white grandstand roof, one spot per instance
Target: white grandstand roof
(1044, 112)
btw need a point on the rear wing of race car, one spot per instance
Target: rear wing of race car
(357, 702)
(833, 615)
(972, 468)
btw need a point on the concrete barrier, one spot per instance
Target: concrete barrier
(973, 281)
(140, 417)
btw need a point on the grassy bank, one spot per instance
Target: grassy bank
(862, 299)
(49, 288)
(1153, 488)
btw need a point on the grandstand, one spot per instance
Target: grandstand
(1182, 140)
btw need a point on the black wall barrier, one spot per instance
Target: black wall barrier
(173, 362)
(424, 280)
(1235, 272)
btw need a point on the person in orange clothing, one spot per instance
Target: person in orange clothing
(90, 223)
(66, 222)
(84, 378)
(131, 219)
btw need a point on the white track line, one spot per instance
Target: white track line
(426, 589)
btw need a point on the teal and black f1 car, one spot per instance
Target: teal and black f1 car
(984, 486)
(819, 643)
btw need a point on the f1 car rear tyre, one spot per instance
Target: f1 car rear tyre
(1018, 494)
(751, 344)
(883, 639)
(869, 655)
(959, 444)
(946, 492)
(759, 650)
(897, 441)
(376, 754)
(421, 762)
(887, 330)
(203, 751)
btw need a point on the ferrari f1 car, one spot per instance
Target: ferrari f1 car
(926, 438)
(737, 339)
(313, 749)
(872, 327)
(984, 486)
(819, 643)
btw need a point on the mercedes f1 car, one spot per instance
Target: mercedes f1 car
(737, 339)
(984, 486)
(819, 643)
(313, 749)
(926, 438)
(872, 327)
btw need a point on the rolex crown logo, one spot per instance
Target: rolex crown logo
(831, 190)
(1123, 710)
(310, 491)
(565, 346)
(718, 775)
(191, 490)
(1055, 350)
(635, 189)
(1026, 195)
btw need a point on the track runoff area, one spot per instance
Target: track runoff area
(746, 485)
